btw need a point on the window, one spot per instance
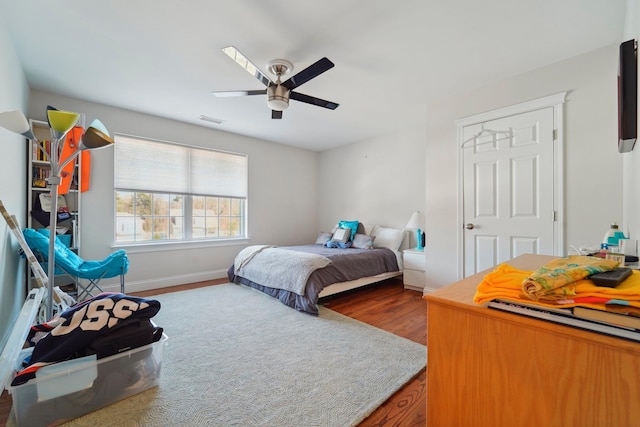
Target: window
(170, 192)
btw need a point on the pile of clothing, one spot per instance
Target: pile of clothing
(104, 325)
(563, 282)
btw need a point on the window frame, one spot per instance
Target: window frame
(188, 241)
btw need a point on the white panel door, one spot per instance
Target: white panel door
(508, 189)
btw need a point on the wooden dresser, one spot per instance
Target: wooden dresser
(490, 368)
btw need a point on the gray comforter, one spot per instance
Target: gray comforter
(346, 264)
(278, 267)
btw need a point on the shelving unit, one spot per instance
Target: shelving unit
(68, 227)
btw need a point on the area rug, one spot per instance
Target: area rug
(236, 357)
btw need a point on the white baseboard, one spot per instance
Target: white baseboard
(163, 282)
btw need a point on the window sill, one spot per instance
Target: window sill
(159, 246)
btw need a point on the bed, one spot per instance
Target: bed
(300, 275)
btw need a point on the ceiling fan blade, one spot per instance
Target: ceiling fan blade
(313, 100)
(275, 114)
(312, 71)
(228, 93)
(242, 61)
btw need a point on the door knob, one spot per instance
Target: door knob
(469, 226)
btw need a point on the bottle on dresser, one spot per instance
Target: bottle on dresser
(612, 238)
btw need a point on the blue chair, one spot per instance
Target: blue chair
(68, 262)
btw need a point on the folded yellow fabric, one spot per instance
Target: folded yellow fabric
(548, 281)
(582, 290)
(505, 282)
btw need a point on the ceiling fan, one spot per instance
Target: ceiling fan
(278, 92)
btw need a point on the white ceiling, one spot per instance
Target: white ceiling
(164, 57)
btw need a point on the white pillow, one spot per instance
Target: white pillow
(387, 237)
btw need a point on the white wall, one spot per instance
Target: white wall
(593, 167)
(14, 93)
(379, 181)
(631, 161)
(282, 195)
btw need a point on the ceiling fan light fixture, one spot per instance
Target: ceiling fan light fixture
(279, 92)
(278, 97)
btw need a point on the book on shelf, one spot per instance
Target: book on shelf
(619, 318)
(566, 317)
(40, 176)
(37, 153)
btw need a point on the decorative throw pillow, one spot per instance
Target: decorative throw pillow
(362, 241)
(341, 235)
(352, 225)
(323, 238)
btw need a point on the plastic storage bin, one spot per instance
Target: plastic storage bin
(70, 389)
(76, 387)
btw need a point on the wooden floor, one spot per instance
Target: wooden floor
(387, 306)
(403, 312)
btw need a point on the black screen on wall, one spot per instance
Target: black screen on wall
(627, 96)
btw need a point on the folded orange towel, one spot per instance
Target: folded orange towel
(549, 280)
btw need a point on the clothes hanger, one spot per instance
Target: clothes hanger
(483, 132)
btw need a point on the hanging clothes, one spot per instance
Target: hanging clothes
(85, 170)
(69, 148)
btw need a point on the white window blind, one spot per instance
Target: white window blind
(143, 165)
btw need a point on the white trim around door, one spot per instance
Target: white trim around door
(557, 103)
